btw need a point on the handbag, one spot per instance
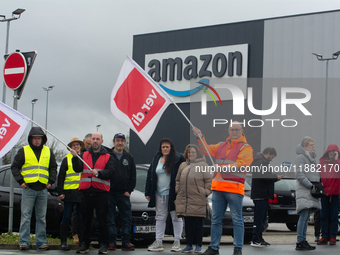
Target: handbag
(319, 190)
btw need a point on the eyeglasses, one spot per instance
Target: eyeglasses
(235, 130)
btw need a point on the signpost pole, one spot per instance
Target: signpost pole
(11, 193)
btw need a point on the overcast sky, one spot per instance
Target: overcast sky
(82, 45)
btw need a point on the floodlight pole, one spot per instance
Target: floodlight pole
(320, 57)
(15, 15)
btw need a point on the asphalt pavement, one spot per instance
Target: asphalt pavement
(282, 243)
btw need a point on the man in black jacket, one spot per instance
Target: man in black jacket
(262, 189)
(122, 184)
(35, 169)
(95, 186)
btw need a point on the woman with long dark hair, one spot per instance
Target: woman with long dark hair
(160, 192)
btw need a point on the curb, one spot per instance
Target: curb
(34, 247)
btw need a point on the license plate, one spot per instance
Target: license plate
(144, 229)
(248, 219)
(292, 212)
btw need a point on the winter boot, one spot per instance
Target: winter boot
(63, 237)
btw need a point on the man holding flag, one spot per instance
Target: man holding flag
(35, 169)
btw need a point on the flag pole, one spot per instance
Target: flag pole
(192, 126)
(60, 141)
(170, 98)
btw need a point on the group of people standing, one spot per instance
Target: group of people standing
(100, 179)
(91, 179)
(310, 175)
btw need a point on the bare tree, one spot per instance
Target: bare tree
(58, 153)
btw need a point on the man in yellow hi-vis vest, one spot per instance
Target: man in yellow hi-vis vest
(68, 184)
(35, 169)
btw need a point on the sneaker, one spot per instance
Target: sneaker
(112, 246)
(176, 246)
(102, 249)
(128, 247)
(188, 249)
(257, 244)
(264, 242)
(156, 246)
(304, 246)
(332, 241)
(83, 249)
(23, 247)
(43, 248)
(237, 251)
(316, 239)
(322, 241)
(198, 249)
(211, 251)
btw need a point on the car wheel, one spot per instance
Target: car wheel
(292, 226)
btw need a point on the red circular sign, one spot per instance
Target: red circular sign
(15, 70)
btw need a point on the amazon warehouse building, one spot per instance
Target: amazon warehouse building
(262, 73)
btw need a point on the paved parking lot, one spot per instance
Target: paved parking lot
(281, 239)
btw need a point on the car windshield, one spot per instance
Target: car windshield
(285, 185)
(141, 179)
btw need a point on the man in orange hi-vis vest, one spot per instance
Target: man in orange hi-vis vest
(232, 156)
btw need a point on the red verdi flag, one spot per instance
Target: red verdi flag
(12, 126)
(137, 100)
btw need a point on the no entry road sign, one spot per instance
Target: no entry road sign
(15, 70)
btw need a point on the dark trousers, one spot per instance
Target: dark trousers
(68, 209)
(193, 230)
(98, 203)
(260, 214)
(317, 224)
(124, 207)
(329, 214)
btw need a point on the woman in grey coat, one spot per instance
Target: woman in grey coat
(305, 203)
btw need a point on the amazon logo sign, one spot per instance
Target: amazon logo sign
(190, 74)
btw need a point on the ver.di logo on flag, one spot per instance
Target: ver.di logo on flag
(7, 130)
(146, 100)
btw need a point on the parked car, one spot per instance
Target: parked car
(282, 209)
(247, 213)
(55, 206)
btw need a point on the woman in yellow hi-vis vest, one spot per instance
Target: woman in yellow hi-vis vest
(68, 184)
(35, 169)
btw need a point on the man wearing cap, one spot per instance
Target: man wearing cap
(35, 169)
(122, 184)
(68, 184)
(94, 185)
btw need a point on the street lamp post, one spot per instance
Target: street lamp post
(15, 15)
(98, 127)
(47, 90)
(320, 57)
(33, 102)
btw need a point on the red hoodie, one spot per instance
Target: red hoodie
(330, 172)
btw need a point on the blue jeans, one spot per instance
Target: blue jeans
(329, 214)
(68, 209)
(38, 200)
(302, 225)
(124, 207)
(220, 201)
